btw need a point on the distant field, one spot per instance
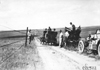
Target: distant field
(12, 34)
(22, 33)
(86, 30)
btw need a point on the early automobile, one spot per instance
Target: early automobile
(92, 42)
(49, 38)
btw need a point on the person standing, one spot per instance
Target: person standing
(29, 36)
(61, 39)
(44, 32)
(72, 34)
(44, 35)
(73, 26)
(66, 35)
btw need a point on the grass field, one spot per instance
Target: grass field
(16, 56)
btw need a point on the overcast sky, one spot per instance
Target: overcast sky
(19, 14)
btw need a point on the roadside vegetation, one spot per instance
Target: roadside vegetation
(18, 57)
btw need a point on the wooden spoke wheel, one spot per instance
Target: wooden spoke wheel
(98, 50)
(81, 46)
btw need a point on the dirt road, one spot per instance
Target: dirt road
(55, 58)
(43, 57)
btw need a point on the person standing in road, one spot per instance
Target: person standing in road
(66, 37)
(61, 39)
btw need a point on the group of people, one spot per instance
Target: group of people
(72, 33)
(50, 35)
(93, 36)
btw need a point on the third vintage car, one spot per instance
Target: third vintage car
(91, 43)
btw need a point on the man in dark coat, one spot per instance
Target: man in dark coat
(44, 35)
(72, 36)
(73, 26)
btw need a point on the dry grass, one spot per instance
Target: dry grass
(13, 58)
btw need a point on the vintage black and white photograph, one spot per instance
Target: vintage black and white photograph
(49, 34)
